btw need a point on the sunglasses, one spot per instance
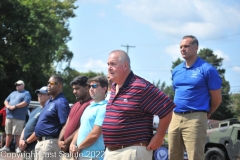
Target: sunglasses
(52, 83)
(94, 85)
(18, 84)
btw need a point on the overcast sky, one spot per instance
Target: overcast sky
(154, 29)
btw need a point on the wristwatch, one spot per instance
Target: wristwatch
(25, 141)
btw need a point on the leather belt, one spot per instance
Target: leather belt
(46, 138)
(114, 148)
(187, 112)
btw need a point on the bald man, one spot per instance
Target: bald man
(128, 124)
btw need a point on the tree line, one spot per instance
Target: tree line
(34, 36)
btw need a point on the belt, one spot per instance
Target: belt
(114, 148)
(43, 138)
(187, 112)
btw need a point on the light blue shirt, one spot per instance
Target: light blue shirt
(93, 115)
(17, 97)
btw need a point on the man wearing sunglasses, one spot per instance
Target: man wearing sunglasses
(16, 108)
(88, 143)
(81, 91)
(30, 125)
(128, 124)
(50, 122)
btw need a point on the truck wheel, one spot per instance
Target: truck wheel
(214, 154)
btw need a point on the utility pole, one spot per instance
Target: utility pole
(127, 46)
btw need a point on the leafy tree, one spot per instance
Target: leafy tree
(175, 63)
(33, 41)
(235, 104)
(166, 89)
(223, 111)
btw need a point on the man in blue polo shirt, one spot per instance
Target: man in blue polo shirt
(16, 108)
(51, 120)
(88, 140)
(197, 87)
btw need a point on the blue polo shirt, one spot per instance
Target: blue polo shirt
(53, 116)
(192, 85)
(17, 97)
(93, 115)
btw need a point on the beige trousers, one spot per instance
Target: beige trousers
(187, 131)
(129, 153)
(47, 150)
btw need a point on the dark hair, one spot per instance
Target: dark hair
(58, 78)
(102, 80)
(80, 80)
(194, 39)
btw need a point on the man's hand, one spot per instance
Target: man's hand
(209, 115)
(22, 145)
(155, 142)
(11, 107)
(74, 150)
(63, 146)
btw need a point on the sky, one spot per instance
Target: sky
(153, 29)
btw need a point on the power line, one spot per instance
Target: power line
(236, 34)
(127, 46)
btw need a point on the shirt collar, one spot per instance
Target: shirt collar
(89, 99)
(59, 95)
(99, 103)
(194, 64)
(128, 80)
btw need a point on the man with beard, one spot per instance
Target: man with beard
(81, 91)
(87, 143)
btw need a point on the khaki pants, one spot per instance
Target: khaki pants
(14, 126)
(187, 131)
(47, 150)
(129, 153)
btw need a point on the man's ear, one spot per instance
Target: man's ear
(125, 65)
(87, 88)
(106, 88)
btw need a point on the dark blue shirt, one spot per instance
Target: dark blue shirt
(53, 116)
(30, 126)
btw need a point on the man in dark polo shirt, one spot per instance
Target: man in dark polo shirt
(51, 120)
(81, 92)
(128, 125)
(30, 125)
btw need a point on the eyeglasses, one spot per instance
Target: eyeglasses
(18, 84)
(52, 83)
(94, 85)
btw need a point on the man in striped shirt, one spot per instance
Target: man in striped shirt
(128, 124)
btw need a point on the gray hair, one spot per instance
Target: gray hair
(194, 39)
(123, 56)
